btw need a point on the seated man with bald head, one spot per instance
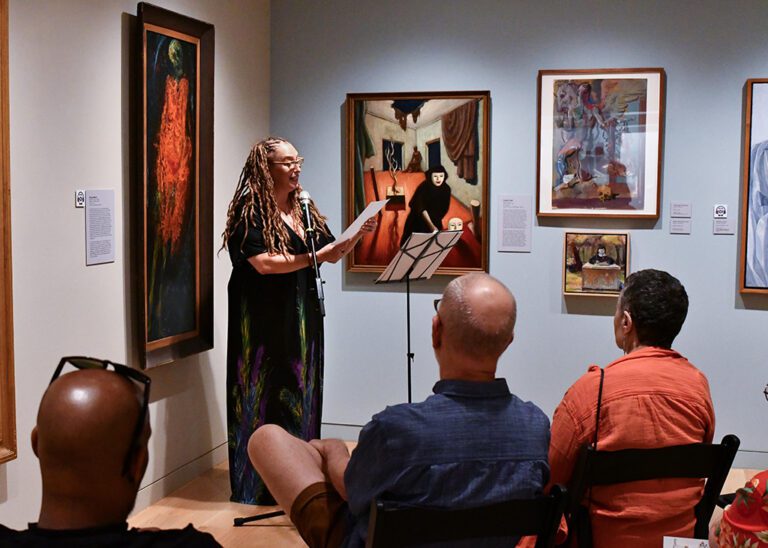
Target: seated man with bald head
(471, 443)
(91, 440)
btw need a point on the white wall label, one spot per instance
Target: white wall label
(723, 226)
(515, 223)
(680, 210)
(99, 226)
(679, 226)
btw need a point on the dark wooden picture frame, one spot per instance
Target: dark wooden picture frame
(7, 385)
(587, 271)
(174, 198)
(753, 268)
(600, 135)
(393, 139)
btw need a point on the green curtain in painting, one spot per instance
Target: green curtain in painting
(363, 149)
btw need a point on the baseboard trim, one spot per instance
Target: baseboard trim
(164, 486)
(346, 432)
(754, 460)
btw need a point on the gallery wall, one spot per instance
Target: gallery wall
(708, 48)
(69, 85)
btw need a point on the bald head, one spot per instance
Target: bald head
(84, 431)
(478, 314)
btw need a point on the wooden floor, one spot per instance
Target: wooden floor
(204, 502)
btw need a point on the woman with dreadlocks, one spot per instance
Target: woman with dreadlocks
(275, 336)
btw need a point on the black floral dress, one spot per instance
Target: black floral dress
(274, 355)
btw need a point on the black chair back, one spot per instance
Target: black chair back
(697, 460)
(393, 525)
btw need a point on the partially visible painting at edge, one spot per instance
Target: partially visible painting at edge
(595, 263)
(7, 378)
(175, 188)
(754, 229)
(599, 139)
(428, 153)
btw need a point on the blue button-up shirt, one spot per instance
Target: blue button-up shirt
(469, 444)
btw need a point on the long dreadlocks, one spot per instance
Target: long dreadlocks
(255, 197)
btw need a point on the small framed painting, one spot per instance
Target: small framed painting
(754, 227)
(599, 142)
(428, 154)
(595, 263)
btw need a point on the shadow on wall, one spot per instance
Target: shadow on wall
(589, 306)
(128, 123)
(183, 426)
(3, 484)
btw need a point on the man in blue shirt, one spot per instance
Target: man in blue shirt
(471, 443)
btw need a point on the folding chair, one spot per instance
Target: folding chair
(394, 525)
(697, 460)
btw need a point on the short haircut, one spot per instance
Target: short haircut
(436, 169)
(471, 332)
(658, 304)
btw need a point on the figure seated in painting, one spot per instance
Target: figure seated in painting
(91, 440)
(471, 443)
(601, 258)
(429, 204)
(414, 165)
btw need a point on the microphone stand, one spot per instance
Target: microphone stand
(309, 233)
(309, 236)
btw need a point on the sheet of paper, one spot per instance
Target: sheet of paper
(682, 542)
(516, 223)
(99, 226)
(372, 209)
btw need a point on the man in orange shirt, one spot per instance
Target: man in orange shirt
(652, 397)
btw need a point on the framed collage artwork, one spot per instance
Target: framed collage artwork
(599, 142)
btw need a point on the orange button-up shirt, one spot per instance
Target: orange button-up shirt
(652, 397)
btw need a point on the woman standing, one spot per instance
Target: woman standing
(275, 334)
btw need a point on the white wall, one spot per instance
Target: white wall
(321, 51)
(69, 87)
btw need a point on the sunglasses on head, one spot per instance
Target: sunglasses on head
(83, 362)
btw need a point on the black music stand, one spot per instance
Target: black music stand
(417, 259)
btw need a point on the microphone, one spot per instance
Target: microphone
(304, 198)
(309, 232)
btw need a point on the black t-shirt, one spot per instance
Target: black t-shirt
(112, 535)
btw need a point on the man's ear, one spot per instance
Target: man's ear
(437, 331)
(138, 465)
(627, 324)
(33, 439)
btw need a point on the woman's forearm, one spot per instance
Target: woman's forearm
(264, 263)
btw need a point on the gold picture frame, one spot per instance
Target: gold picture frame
(395, 141)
